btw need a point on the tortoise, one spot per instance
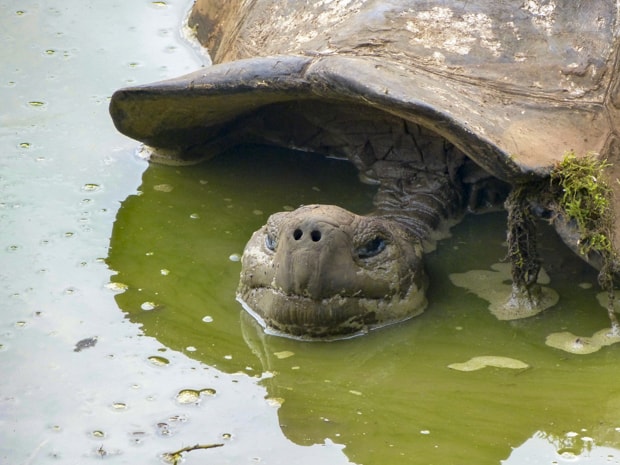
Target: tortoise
(448, 106)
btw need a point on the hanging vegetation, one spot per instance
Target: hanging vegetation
(522, 247)
(583, 195)
(578, 192)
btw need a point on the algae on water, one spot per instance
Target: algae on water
(483, 361)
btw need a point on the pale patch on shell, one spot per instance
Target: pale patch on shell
(439, 27)
(305, 22)
(543, 14)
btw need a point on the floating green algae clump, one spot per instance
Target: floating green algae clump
(493, 286)
(477, 363)
(574, 344)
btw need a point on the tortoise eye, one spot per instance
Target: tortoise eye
(371, 248)
(270, 242)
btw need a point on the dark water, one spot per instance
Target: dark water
(136, 261)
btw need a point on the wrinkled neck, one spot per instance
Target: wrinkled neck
(425, 204)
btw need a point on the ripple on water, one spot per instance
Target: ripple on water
(119, 406)
(158, 360)
(137, 437)
(91, 187)
(194, 396)
(188, 396)
(169, 426)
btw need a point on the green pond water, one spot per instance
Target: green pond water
(140, 263)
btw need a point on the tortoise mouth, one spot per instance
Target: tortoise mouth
(333, 318)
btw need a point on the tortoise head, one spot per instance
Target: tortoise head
(323, 272)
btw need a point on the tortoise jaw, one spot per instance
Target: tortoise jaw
(300, 317)
(334, 318)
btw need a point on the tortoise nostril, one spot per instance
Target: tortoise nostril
(315, 235)
(297, 234)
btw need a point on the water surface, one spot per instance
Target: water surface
(139, 263)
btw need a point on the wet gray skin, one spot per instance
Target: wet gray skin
(323, 271)
(440, 103)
